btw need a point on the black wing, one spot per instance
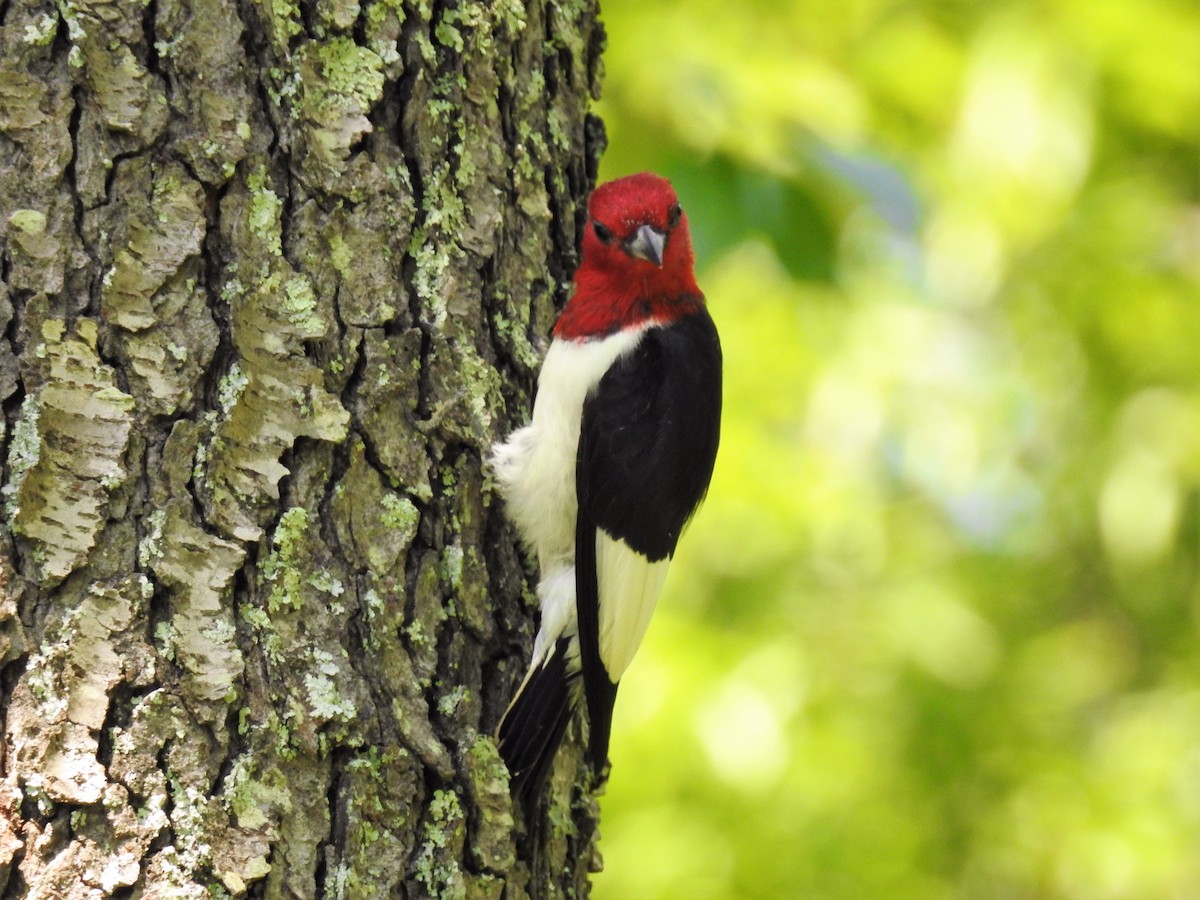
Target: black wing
(647, 445)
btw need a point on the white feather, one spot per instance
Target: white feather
(556, 594)
(629, 585)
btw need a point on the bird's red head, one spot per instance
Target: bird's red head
(637, 260)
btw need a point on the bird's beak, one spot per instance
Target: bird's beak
(647, 244)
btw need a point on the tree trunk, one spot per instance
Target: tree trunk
(274, 277)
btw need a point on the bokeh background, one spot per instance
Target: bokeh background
(936, 633)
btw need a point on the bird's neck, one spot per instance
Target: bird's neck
(604, 303)
(585, 318)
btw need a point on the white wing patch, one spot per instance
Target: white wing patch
(628, 588)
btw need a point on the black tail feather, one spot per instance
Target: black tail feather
(601, 698)
(534, 725)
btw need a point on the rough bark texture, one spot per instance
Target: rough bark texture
(274, 275)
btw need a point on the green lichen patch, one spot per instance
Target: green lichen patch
(169, 230)
(230, 387)
(400, 514)
(357, 251)
(299, 629)
(300, 304)
(381, 523)
(128, 97)
(512, 333)
(164, 331)
(200, 52)
(150, 547)
(257, 795)
(83, 422)
(274, 311)
(283, 18)
(264, 210)
(325, 702)
(452, 567)
(240, 856)
(41, 32)
(281, 567)
(450, 700)
(254, 798)
(36, 254)
(30, 222)
(340, 254)
(380, 789)
(492, 846)
(265, 635)
(384, 21)
(438, 863)
(339, 82)
(471, 388)
(156, 758)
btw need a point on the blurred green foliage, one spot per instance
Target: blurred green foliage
(935, 632)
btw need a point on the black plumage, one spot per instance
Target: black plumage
(647, 446)
(533, 727)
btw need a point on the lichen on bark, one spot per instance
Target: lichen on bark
(80, 422)
(272, 278)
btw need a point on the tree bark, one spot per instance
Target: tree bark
(274, 276)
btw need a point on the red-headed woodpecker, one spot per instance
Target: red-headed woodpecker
(617, 458)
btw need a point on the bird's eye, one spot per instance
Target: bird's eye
(673, 215)
(602, 232)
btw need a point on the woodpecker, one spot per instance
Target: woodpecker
(617, 458)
